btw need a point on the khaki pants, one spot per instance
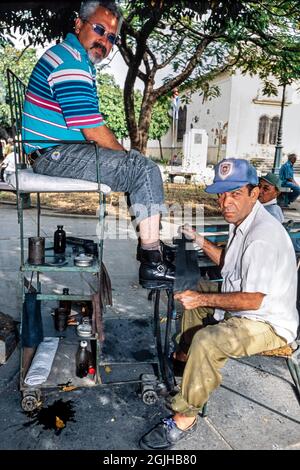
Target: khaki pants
(209, 350)
(192, 320)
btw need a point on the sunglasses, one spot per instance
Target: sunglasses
(101, 31)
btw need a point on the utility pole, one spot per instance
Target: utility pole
(175, 106)
(220, 138)
(279, 146)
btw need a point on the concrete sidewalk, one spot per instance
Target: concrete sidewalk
(255, 408)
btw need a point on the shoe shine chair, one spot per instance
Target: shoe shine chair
(22, 182)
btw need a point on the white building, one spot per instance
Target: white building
(241, 122)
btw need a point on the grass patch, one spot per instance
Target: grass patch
(86, 203)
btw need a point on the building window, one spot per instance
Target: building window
(182, 112)
(274, 125)
(268, 130)
(263, 130)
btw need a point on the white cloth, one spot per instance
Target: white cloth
(42, 362)
(31, 182)
(260, 258)
(9, 163)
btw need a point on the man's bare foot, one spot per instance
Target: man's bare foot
(183, 422)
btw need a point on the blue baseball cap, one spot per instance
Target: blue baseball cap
(231, 174)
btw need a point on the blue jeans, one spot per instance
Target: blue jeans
(128, 172)
(295, 191)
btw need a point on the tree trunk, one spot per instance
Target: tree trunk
(139, 133)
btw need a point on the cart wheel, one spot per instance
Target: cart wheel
(29, 403)
(149, 397)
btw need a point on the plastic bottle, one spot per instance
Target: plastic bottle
(82, 360)
(66, 304)
(59, 240)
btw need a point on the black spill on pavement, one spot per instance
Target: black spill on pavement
(55, 416)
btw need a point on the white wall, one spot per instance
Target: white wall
(247, 106)
(210, 113)
(241, 104)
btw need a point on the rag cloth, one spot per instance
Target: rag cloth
(42, 362)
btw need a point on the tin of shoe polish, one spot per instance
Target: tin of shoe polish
(83, 260)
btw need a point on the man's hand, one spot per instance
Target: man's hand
(189, 299)
(213, 251)
(191, 234)
(103, 136)
(230, 301)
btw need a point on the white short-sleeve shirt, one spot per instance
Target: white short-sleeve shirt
(260, 258)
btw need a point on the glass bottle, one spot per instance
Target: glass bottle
(59, 240)
(85, 310)
(82, 360)
(66, 304)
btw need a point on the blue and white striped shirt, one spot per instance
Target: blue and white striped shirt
(61, 97)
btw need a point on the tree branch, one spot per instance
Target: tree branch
(175, 82)
(172, 56)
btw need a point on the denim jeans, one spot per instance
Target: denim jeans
(295, 191)
(123, 171)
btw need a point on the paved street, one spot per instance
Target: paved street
(255, 408)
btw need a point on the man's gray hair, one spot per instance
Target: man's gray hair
(88, 8)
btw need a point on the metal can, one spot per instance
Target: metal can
(60, 319)
(36, 250)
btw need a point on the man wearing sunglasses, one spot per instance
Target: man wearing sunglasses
(62, 104)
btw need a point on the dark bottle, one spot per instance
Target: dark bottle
(66, 304)
(82, 360)
(59, 240)
(86, 309)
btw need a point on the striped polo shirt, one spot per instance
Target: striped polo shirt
(61, 97)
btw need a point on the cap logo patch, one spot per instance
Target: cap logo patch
(225, 170)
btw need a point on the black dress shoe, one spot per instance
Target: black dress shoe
(155, 273)
(165, 435)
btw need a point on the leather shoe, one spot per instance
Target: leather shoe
(155, 273)
(165, 434)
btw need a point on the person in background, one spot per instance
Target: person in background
(174, 160)
(269, 190)
(9, 147)
(286, 175)
(1, 150)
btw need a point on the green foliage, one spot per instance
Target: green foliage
(21, 63)
(112, 108)
(161, 118)
(112, 104)
(4, 116)
(40, 23)
(187, 42)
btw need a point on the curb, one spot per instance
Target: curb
(52, 213)
(289, 213)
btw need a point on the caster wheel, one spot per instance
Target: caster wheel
(29, 403)
(149, 397)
